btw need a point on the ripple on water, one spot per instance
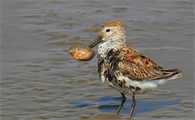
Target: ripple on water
(40, 80)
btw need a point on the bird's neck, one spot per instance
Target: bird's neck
(105, 47)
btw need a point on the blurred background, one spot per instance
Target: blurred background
(41, 81)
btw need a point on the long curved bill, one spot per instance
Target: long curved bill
(95, 42)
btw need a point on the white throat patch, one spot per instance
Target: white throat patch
(106, 46)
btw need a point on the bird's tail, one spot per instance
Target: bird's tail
(169, 74)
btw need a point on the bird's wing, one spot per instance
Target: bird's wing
(138, 67)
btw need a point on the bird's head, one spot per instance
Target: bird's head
(111, 31)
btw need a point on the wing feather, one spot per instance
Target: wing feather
(136, 66)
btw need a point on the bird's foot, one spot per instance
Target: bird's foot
(116, 115)
(129, 118)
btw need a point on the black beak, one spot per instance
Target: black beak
(95, 42)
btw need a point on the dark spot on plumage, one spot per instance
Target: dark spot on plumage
(128, 51)
(131, 87)
(146, 62)
(120, 85)
(138, 89)
(118, 52)
(111, 60)
(116, 73)
(124, 50)
(119, 81)
(105, 73)
(100, 63)
(114, 64)
(160, 67)
(109, 76)
(142, 56)
(110, 53)
(124, 82)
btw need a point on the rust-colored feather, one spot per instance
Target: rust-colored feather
(138, 67)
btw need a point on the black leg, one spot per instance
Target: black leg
(122, 102)
(132, 106)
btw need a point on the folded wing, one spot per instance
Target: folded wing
(138, 67)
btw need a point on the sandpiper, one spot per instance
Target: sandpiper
(124, 68)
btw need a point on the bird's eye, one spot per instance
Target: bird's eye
(108, 30)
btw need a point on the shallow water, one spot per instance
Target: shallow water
(40, 79)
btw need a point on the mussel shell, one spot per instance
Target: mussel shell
(81, 52)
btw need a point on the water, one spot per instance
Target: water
(41, 81)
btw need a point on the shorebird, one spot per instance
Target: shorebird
(124, 68)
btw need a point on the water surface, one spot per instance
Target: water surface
(41, 81)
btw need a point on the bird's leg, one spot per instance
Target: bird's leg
(132, 106)
(122, 102)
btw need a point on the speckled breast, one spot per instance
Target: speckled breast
(107, 76)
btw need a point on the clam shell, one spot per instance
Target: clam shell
(81, 52)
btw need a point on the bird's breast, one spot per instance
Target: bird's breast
(105, 47)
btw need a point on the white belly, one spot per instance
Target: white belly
(144, 86)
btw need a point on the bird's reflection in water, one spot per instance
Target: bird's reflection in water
(109, 104)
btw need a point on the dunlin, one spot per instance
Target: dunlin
(124, 68)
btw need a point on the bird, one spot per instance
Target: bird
(124, 68)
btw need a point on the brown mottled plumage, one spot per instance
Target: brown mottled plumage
(138, 67)
(124, 68)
